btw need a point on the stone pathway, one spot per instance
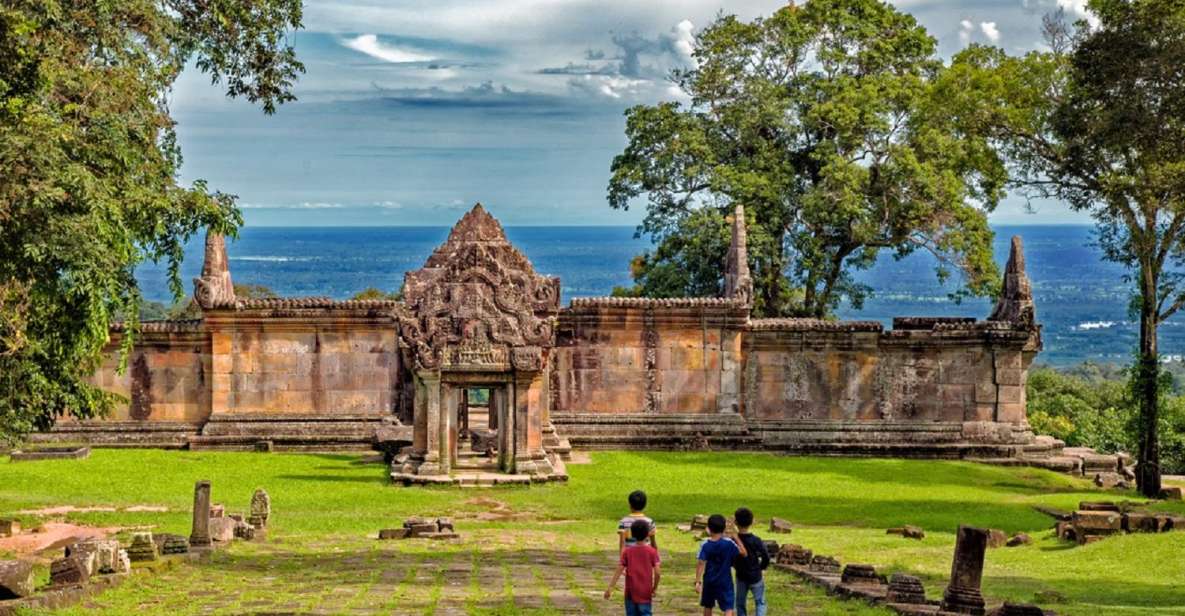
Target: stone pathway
(491, 574)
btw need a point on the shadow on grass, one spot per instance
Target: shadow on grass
(380, 480)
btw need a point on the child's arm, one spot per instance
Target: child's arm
(763, 557)
(621, 540)
(613, 582)
(653, 533)
(657, 577)
(699, 576)
(740, 545)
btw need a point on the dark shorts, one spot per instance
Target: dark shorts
(723, 598)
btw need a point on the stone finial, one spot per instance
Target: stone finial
(261, 509)
(213, 289)
(738, 284)
(1016, 297)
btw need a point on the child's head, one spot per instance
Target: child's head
(716, 524)
(637, 500)
(640, 530)
(744, 518)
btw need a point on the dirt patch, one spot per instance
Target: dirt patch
(498, 511)
(68, 509)
(52, 535)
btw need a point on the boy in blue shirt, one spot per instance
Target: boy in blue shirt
(713, 572)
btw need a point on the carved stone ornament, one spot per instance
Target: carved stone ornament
(213, 289)
(478, 302)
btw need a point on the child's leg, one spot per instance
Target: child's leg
(707, 611)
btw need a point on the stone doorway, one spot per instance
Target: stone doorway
(476, 440)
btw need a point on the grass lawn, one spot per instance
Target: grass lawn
(550, 549)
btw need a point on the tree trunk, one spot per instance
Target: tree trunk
(1147, 390)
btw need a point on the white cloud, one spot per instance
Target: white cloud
(990, 30)
(1079, 8)
(966, 27)
(685, 38)
(370, 45)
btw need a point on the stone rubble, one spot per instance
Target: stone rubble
(10, 528)
(142, 549)
(16, 579)
(417, 527)
(907, 531)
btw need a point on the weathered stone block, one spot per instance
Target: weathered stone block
(10, 527)
(907, 531)
(68, 570)
(1167, 493)
(393, 533)
(776, 525)
(222, 530)
(16, 579)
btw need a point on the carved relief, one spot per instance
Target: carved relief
(477, 300)
(213, 289)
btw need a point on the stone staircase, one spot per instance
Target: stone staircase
(1107, 470)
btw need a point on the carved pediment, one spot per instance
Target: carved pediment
(476, 300)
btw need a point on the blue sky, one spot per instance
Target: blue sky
(412, 111)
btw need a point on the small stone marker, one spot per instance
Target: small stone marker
(907, 531)
(68, 570)
(10, 528)
(261, 509)
(963, 595)
(200, 536)
(244, 531)
(143, 549)
(445, 525)
(906, 589)
(16, 579)
(699, 522)
(776, 525)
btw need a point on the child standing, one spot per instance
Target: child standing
(713, 572)
(750, 566)
(637, 500)
(640, 564)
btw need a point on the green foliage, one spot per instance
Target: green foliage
(89, 158)
(1098, 121)
(824, 121)
(1096, 406)
(373, 293)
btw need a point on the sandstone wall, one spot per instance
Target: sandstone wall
(165, 378)
(304, 368)
(626, 356)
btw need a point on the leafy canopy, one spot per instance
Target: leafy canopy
(89, 161)
(824, 121)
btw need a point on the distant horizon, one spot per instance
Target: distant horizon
(586, 226)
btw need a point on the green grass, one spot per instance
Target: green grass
(326, 506)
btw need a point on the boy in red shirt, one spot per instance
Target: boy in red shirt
(640, 564)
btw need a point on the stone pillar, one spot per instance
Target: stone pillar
(200, 536)
(963, 596)
(500, 405)
(449, 407)
(431, 465)
(528, 423)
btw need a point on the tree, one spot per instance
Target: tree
(822, 120)
(89, 161)
(1098, 121)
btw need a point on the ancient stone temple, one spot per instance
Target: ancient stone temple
(481, 370)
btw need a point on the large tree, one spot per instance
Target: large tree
(822, 120)
(1098, 121)
(88, 172)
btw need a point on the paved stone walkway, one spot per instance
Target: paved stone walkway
(490, 574)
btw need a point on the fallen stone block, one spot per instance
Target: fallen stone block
(222, 530)
(1172, 521)
(101, 555)
(860, 574)
(1141, 522)
(771, 547)
(217, 511)
(905, 589)
(1017, 609)
(907, 531)
(393, 533)
(10, 528)
(244, 531)
(419, 530)
(1168, 493)
(1019, 539)
(445, 525)
(1110, 480)
(1065, 531)
(791, 554)
(16, 579)
(996, 538)
(824, 564)
(170, 544)
(142, 549)
(1097, 506)
(1098, 522)
(776, 525)
(68, 570)
(699, 522)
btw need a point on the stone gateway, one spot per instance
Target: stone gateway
(480, 371)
